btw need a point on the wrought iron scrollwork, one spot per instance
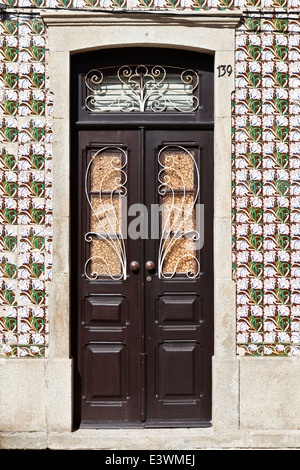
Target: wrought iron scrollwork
(176, 224)
(142, 88)
(108, 223)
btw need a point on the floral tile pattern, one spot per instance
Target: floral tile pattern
(25, 187)
(265, 172)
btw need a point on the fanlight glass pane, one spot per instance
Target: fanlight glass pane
(142, 88)
(179, 189)
(105, 186)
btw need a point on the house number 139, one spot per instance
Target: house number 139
(224, 70)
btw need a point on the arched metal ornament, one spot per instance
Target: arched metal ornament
(142, 88)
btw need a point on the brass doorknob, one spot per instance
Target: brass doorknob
(150, 265)
(134, 266)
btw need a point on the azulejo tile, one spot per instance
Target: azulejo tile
(265, 174)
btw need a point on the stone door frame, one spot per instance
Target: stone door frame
(72, 32)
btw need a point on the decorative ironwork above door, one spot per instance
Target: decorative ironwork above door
(142, 88)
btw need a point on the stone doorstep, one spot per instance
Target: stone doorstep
(152, 439)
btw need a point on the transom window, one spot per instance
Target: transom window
(142, 88)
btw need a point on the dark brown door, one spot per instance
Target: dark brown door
(144, 261)
(178, 291)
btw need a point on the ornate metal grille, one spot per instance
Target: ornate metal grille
(179, 185)
(141, 88)
(105, 186)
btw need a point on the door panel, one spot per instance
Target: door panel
(144, 335)
(109, 361)
(108, 295)
(178, 367)
(104, 311)
(178, 309)
(179, 302)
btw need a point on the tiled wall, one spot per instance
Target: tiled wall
(266, 185)
(25, 187)
(265, 177)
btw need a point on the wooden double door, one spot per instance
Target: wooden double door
(143, 251)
